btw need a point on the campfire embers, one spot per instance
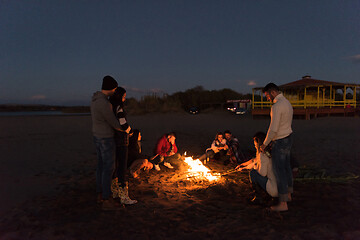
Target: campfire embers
(199, 171)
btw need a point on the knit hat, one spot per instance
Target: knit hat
(109, 83)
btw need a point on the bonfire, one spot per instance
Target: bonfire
(199, 171)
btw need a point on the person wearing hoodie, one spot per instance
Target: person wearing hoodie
(119, 185)
(166, 151)
(104, 125)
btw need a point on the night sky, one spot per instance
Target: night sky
(58, 51)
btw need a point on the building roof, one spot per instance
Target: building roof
(307, 81)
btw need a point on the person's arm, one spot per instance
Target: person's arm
(224, 146)
(120, 114)
(264, 164)
(109, 116)
(246, 165)
(274, 125)
(213, 144)
(214, 147)
(161, 147)
(175, 148)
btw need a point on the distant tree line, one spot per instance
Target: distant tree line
(177, 102)
(180, 101)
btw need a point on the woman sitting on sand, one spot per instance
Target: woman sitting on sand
(262, 174)
(217, 150)
(137, 161)
(119, 186)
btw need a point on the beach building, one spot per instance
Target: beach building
(312, 97)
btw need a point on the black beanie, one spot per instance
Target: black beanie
(109, 83)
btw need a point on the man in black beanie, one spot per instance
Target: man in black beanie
(109, 83)
(104, 124)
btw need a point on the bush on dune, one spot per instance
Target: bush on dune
(182, 101)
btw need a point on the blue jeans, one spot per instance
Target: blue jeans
(280, 152)
(105, 150)
(256, 178)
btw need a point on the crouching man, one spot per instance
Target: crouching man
(166, 151)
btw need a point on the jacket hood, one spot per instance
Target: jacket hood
(98, 95)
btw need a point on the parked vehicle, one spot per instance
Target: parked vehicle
(194, 110)
(240, 111)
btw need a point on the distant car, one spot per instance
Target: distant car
(194, 110)
(240, 111)
(232, 109)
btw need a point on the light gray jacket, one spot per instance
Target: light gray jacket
(103, 118)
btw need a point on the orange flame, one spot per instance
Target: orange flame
(198, 170)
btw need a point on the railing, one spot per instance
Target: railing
(321, 103)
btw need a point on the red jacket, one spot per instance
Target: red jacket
(163, 147)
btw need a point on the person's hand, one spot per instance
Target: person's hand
(239, 168)
(262, 148)
(128, 129)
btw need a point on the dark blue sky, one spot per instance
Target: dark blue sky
(57, 52)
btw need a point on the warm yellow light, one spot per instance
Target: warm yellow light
(198, 170)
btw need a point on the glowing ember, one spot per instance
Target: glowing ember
(198, 170)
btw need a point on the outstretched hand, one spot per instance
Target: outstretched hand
(239, 168)
(128, 130)
(262, 148)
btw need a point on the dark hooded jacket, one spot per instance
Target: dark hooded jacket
(104, 121)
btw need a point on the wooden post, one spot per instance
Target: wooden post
(318, 92)
(355, 97)
(253, 97)
(305, 98)
(344, 96)
(330, 93)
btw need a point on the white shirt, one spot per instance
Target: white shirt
(263, 165)
(281, 119)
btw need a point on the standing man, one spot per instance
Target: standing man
(104, 124)
(280, 134)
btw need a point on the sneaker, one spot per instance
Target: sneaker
(156, 166)
(168, 165)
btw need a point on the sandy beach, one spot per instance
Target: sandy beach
(47, 182)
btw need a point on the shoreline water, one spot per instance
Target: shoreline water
(40, 113)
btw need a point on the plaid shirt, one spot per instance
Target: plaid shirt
(235, 151)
